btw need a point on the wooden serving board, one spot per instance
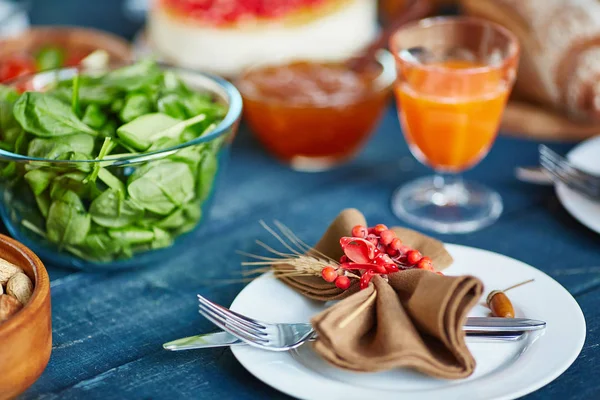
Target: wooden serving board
(524, 119)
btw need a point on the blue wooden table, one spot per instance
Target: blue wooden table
(108, 328)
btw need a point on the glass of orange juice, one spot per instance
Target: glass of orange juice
(454, 78)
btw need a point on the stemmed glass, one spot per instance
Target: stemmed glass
(454, 77)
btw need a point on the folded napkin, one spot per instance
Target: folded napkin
(414, 319)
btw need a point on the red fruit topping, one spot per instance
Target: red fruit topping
(371, 237)
(377, 229)
(366, 278)
(360, 231)
(413, 257)
(342, 282)
(358, 250)
(387, 237)
(329, 274)
(344, 259)
(404, 249)
(223, 11)
(391, 251)
(396, 244)
(425, 263)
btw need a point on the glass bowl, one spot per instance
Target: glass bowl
(140, 243)
(314, 137)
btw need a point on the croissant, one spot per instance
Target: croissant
(560, 50)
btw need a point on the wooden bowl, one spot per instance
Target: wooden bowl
(26, 337)
(79, 39)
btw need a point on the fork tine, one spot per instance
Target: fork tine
(233, 329)
(242, 319)
(228, 327)
(568, 179)
(565, 164)
(562, 167)
(235, 324)
(571, 172)
(559, 172)
(557, 168)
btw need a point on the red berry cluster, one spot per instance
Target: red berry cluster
(386, 242)
(373, 251)
(330, 274)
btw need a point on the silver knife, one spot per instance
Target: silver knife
(486, 328)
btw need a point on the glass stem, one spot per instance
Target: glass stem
(450, 190)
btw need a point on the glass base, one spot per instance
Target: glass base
(447, 204)
(317, 164)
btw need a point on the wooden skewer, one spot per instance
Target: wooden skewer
(518, 284)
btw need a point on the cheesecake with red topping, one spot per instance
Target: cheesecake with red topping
(227, 36)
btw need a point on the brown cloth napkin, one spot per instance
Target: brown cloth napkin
(413, 320)
(316, 288)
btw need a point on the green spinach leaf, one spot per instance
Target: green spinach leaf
(134, 77)
(67, 223)
(110, 180)
(206, 175)
(46, 116)
(131, 235)
(43, 202)
(161, 239)
(88, 93)
(39, 179)
(172, 106)
(143, 131)
(69, 182)
(53, 148)
(135, 106)
(112, 210)
(94, 117)
(162, 186)
(100, 246)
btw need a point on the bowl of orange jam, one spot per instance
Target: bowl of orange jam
(313, 116)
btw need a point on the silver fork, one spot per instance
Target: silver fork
(564, 171)
(268, 336)
(283, 337)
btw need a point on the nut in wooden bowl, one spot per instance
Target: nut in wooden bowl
(25, 318)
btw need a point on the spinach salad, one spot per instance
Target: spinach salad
(99, 212)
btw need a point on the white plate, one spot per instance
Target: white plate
(586, 156)
(504, 370)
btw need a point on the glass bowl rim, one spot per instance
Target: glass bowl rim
(512, 56)
(234, 113)
(387, 76)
